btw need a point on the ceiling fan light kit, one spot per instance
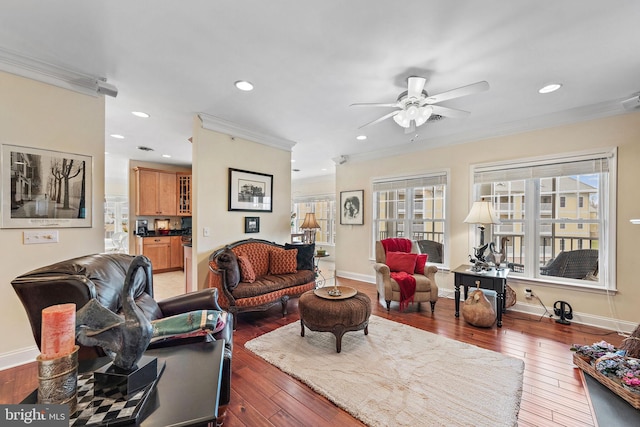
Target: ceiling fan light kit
(415, 106)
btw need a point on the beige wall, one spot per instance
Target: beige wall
(213, 154)
(34, 114)
(316, 186)
(353, 254)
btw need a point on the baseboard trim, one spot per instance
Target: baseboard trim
(18, 357)
(356, 276)
(620, 326)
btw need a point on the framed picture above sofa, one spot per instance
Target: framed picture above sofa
(250, 191)
(351, 207)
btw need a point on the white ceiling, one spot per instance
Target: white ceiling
(310, 60)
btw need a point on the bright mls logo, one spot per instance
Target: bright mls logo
(34, 415)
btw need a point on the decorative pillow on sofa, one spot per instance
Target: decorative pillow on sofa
(421, 260)
(305, 255)
(247, 273)
(283, 261)
(402, 261)
(228, 262)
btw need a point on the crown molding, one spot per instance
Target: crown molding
(35, 69)
(224, 126)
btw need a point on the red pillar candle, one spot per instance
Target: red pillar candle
(58, 330)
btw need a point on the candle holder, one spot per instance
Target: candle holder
(58, 380)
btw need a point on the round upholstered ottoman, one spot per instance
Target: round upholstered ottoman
(334, 315)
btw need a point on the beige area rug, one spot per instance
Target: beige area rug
(399, 375)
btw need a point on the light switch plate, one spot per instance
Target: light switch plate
(40, 236)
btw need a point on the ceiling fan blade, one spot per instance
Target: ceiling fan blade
(411, 128)
(457, 93)
(374, 104)
(415, 87)
(449, 112)
(378, 120)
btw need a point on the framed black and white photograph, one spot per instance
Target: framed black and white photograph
(352, 207)
(45, 189)
(251, 224)
(250, 191)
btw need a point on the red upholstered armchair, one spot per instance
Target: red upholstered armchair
(426, 288)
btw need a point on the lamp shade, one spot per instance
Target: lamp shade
(310, 222)
(482, 213)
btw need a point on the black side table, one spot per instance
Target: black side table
(320, 279)
(188, 390)
(493, 279)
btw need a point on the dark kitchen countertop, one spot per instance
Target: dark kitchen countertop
(153, 233)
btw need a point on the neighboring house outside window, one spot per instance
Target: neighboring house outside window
(541, 213)
(411, 207)
(324, 206)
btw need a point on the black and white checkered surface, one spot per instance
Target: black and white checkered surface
(108, 408)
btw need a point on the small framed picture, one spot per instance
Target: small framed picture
(251, 224)
(351, 207)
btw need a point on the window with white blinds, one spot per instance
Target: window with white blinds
(412, 207)
(556, 214)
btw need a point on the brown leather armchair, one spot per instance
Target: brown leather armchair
(102, 276)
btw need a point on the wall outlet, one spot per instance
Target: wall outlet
(528, 294)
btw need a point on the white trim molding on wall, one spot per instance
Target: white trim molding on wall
(56, 75)
(217, 124)
(18, 357)
(608, 323)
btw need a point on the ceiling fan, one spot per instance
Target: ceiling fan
(415, 106)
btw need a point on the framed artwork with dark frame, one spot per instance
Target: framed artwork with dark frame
(251, 224)
(352, 207)
(45, 189)
(250, 191)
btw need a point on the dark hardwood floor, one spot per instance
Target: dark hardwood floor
(553, 390)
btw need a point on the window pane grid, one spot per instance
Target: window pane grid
(569, 224)
(412, 208)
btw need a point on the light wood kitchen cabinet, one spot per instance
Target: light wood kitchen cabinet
(184, 194)
(177, 259)
(165, 252)
(155, 192)
(157, 249)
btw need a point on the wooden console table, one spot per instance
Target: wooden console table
(493, 279)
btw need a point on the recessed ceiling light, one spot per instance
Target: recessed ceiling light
(244, 85)
(361, 137)
(293, 160)
(324, 169)
(106, 152)
(140, 114)
(550, 88)
(116, 136)
(166, 155)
